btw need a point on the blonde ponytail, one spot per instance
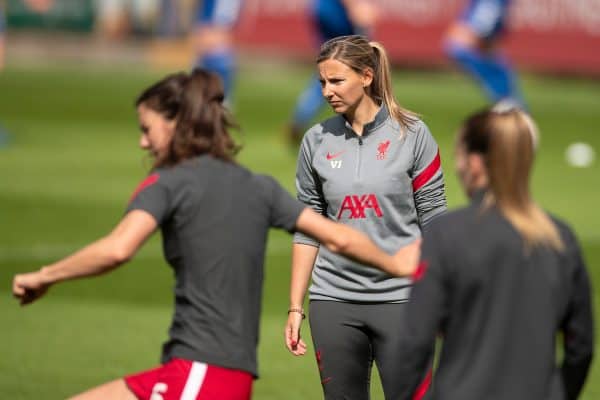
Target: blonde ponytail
(507, 141)
(383, 91)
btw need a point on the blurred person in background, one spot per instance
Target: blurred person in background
(472, 42)
(376, 167)
(331, 18)
(39, 6)
(498, 280)
(214, 40)
(117, 19)
(214, 216)
(2, 34)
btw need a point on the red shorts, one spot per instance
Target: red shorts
(181, 379)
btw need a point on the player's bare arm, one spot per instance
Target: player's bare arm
(97, 258)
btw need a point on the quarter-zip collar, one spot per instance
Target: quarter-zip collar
(380, 118)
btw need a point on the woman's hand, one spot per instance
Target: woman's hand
(406, 260)
(29, 287)
(293, 341)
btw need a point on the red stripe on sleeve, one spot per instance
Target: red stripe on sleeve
(420, 271)
(427, 173)
(149, 181)
(423, 387)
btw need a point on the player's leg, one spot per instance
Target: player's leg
(215, 20)
(330, 19)
(342, 349)
(115, 390)
(470, 42)
(307, 107)
(388, 327)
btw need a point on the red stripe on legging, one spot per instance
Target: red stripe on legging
(423, 387)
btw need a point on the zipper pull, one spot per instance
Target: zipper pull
(360, 141)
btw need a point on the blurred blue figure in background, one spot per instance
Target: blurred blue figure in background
(332, 18)
(471, 41)
(215, 20)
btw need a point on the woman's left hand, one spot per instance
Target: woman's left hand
(29, 287)
(293, 341)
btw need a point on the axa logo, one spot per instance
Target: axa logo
(333, 159)
(382, 149)
(356, 206)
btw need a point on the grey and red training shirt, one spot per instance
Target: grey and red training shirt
(214, 217)
(384, 183)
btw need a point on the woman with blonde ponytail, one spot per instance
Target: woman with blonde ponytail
(374, 166)
(499, 279)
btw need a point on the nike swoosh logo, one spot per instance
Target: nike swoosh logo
(334, 155)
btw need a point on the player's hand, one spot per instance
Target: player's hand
(29, 287)
(407, 258)
(293, 341)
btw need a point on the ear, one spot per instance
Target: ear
(367, 77)
(477, 169)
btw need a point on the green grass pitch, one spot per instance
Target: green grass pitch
(72, 163)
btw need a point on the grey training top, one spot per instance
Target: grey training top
(214, 217)
(383, 183)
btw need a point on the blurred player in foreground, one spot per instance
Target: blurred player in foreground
(499, 279)
(332, 18)
(472, 42)
(215, 245)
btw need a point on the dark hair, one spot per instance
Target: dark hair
(507, 139)
(359, 54)
(195, 102)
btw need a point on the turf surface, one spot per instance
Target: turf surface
(72, 162)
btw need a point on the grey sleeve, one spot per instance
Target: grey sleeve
(152, 196)
(308, 187)
(427, 178)
(577, 326)
(285, 210)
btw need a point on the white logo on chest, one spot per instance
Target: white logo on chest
(336, 163)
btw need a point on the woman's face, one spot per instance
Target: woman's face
(157, 131)
(342, 87)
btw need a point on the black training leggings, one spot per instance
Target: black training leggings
(348, 337)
